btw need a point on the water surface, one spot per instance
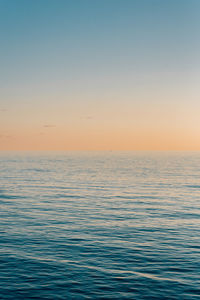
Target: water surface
(100, 225)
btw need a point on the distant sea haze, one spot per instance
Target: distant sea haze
(100, 225)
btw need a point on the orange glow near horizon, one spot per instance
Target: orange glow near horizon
(100, 137)
(130, 127)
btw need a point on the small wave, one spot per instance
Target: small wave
(193, 186)
(60, 196)
(37, 170)
(4, 196)
(131, 197)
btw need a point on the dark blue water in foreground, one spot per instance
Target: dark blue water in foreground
(100, 226)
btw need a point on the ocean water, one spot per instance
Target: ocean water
(106, 225)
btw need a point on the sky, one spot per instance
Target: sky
(99, 75)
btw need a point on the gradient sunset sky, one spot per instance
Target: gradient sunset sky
(99, 75)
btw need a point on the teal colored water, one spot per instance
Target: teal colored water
(100, 225)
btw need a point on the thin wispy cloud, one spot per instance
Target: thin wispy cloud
(5, 136)
(49, 126)
(86, 117)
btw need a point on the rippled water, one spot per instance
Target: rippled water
(100, 226)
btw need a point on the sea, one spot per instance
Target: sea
(100, 225)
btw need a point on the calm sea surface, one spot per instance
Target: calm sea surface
(100, 225)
